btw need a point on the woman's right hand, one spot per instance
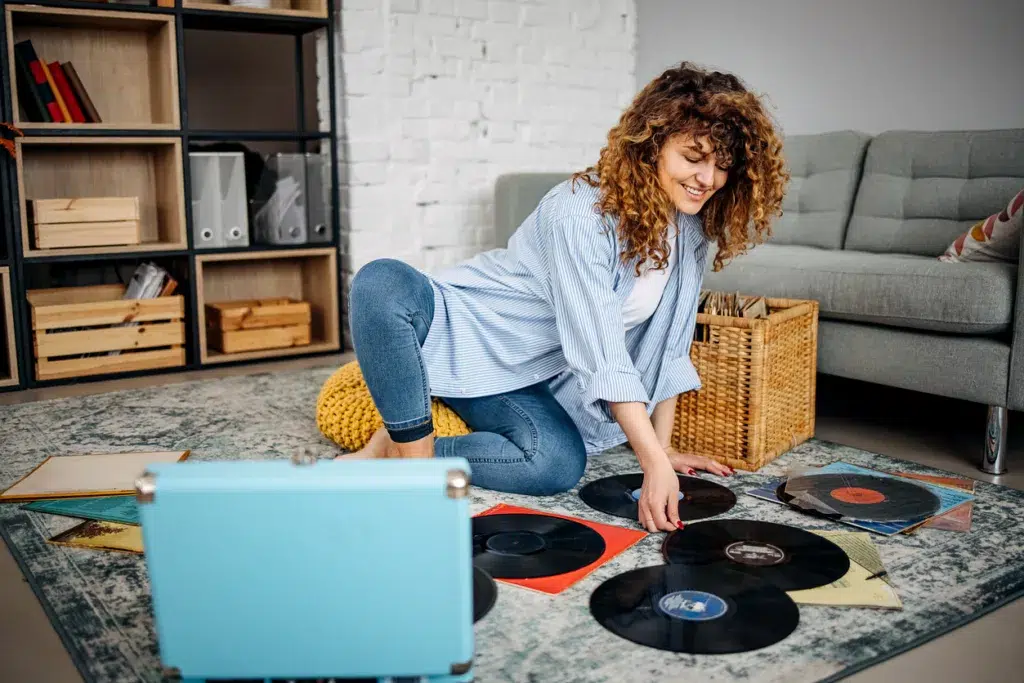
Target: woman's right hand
(659, 498)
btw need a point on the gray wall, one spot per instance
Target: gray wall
(871, 65)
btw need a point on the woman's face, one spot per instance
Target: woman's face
(689, 172)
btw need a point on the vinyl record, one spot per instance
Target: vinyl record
(696, 610)
(618, 495)
(524, 546)
(790, 558)
(860, 496)
(485, 592)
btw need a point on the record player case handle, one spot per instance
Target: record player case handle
(457, 484)
(145, 488)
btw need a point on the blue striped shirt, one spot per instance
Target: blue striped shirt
(549, 308)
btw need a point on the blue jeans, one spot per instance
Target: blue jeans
(522, 441)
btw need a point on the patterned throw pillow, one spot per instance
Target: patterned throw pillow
(997, 238)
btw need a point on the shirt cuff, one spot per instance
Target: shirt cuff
(613, 386)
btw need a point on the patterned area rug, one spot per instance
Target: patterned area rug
(99, 600)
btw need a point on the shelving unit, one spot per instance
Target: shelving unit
(134, 63)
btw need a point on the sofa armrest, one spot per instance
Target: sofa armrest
(1015, 387)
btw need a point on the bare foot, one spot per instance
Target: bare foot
(380, 445)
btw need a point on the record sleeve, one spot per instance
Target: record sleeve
(616, 540)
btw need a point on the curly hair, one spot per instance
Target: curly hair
(691, 101)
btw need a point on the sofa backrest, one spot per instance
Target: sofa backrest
(516, 195)
(921, 190)
(824, 172)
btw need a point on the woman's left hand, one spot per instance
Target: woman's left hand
(686, 463)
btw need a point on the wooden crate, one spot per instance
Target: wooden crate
(257, 324)
(85, 222)
(81, 331)
(758, 377)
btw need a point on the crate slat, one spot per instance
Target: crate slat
(239, 341)
(91, 234)
(257, 314)
(99, 365)
(55, 344)
(107, 313)
(84, 209)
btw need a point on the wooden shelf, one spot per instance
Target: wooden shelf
(307, 275)
(147, 168)
(127, 62)
(281, 8)
(8, 346)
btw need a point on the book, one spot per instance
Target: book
(88, 108)
(100, 474)
(856, 588)
(64, 89)
(38, 82)
(102, 536)
(120, 509)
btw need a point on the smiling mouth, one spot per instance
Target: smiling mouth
(696, 194)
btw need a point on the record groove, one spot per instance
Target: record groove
(695, 610)
(859, 496)
(790, 558)
(618, 495)
(525, 546)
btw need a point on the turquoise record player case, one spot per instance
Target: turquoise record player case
(304, 569)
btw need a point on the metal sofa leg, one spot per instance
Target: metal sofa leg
(994, 459)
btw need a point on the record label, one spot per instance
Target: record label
(696, 610)
(693, 606)
(754, 553)
(788, 557)
(619, 496)
(857, 496)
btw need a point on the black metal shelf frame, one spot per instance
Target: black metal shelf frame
(184, 18)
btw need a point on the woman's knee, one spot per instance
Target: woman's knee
(559, 461)
(386, 287)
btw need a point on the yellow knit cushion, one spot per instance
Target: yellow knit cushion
(346, 414)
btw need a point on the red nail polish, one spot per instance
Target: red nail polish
(691, 471)
(679, 524)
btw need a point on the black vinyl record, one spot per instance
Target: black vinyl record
(618, 495)
(525, 546)
(696, 610)
(859, 496)
(791, 558)
(485, 592)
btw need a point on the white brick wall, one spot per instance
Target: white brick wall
(439, 97)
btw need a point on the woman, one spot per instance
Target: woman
(576, 337)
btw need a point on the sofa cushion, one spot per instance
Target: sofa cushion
(900, 290)
(921, 190)
(825, 169)
(516, 195)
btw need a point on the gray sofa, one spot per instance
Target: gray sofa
(865, 218)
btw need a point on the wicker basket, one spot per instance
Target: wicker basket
(758, 381)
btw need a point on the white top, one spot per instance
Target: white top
(648, 288)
